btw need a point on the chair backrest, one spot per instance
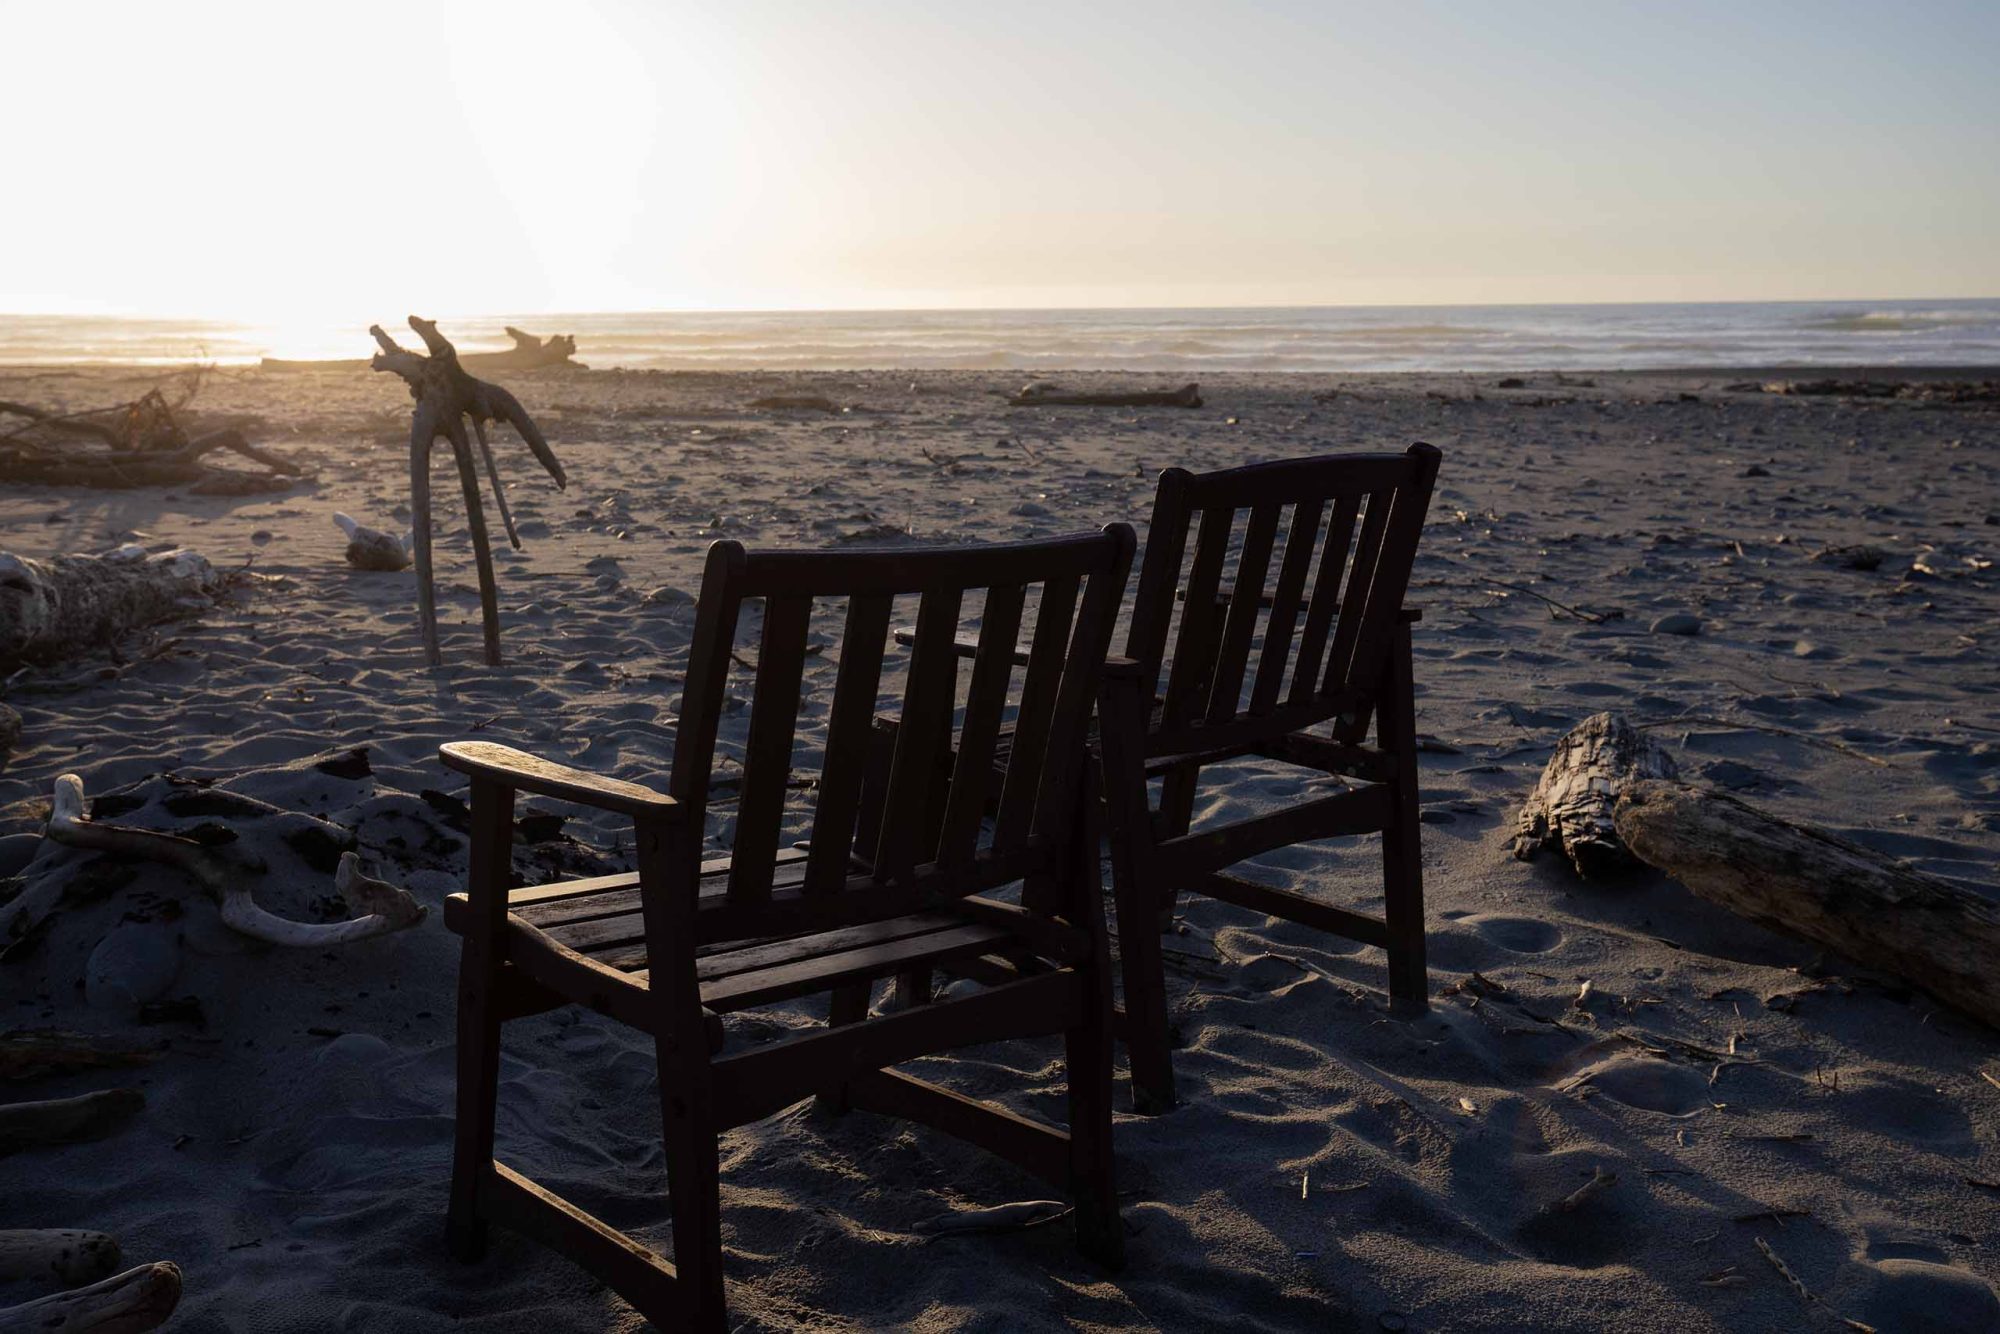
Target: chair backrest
(908, 795)
(1324, 611)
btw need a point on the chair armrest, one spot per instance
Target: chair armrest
(523, 772)
(906, 635)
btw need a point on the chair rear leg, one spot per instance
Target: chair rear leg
(1402, 841)
(848, 1004)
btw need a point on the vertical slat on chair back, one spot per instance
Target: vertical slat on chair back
(917, 810)
(1297, 572)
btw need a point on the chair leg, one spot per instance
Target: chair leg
(1093, 1181)
(847, 1005)
(694, 1185)
(478, 1098)
(479, 982)
(1402, 841)
(1145, 991)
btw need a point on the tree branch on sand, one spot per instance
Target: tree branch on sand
(446, 397)
(135, 444)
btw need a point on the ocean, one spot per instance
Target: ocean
(1333, 339)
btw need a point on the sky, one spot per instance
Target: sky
(302, 161)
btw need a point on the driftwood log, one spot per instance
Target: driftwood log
(63, 1255)
(143, 444)
(89, 1116)
(227, 869)
(1571, 808)
(68, 605)
(528, 353)
(1866, 906)
(32, 1053)
(1049, 395)
(446, 398)
(138, 1299)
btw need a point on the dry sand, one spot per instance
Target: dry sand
(1332, 1167)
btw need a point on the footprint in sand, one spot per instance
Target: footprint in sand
(1919, 1297)
(1467, 943)
(1644, 1083)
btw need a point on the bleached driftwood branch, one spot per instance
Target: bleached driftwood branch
(1869, 907)
(65, 1255)
(446, 397)
(1570, 809)
(138, 1299)
(69, 604)
(383, 907)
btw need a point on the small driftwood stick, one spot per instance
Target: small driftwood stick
(68, 605)
(384, 907)
(1570, 809)
(136, 1300)
(28, 1125)
(64, 1255)
(1871, 908)
(445, 397)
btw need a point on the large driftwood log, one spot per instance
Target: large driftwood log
(446, 398)
(223, 870)
(65, 1255)
(138, 1299)
(1571, 808)
(28, 1125)
(68, 605)
(1049, 395)
(1874, 910)
(528, 353)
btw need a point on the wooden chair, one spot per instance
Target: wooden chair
(682, 942)
(1349, 659)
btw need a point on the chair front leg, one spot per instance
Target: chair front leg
(1121, 714)
(669, 874)
(1100, 1234)
(1402, 841)
(479, 978)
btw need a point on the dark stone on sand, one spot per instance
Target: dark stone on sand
(351, 765)
(1851, 558)
(1511, 382)
(1756, 470)
(1677, 623)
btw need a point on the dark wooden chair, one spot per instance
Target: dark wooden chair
(892, 882)
(1330, 651)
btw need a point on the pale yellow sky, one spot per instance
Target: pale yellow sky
(310, 162)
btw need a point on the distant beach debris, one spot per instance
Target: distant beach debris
(1851, 558)
(529, 353)
(795, 403)
(1044, 394)
(1923, 391)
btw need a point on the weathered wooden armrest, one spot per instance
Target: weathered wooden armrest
(906, 635)
(525, 773)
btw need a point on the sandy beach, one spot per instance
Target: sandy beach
(1332, 1166)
